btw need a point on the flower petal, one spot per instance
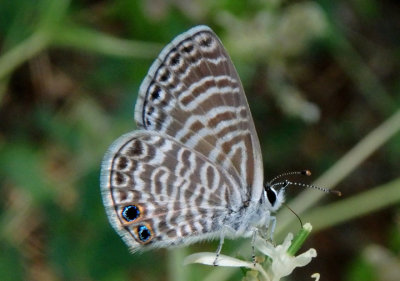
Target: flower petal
(209, 258)
(316, 276)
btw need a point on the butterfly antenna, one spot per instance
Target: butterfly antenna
(304, 173)
(298, 217)
(285, 183)
(337, 192)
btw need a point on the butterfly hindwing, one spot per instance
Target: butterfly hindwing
(158, 192)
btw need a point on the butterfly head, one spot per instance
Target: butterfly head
(273, 197)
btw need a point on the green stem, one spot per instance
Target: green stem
(29, 48)
(356, 206)
(91, 40)
(342, 168)
(299, 239)
(175, 260)
(50, 19)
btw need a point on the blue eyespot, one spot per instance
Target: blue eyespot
(144, 233)
(130, 213)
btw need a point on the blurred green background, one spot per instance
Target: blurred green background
(323, 82)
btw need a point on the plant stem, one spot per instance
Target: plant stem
(29, 48)
(299, 239)
(94, 41)
(356, 206)
(346, 165)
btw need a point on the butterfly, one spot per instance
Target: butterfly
(193, 170)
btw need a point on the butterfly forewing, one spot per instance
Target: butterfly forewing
(193, 94)
(159, 192)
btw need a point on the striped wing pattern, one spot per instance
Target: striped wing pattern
(193, 93)
(188, 197)
(196, 160)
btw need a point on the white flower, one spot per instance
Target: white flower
(316, 276)
(282, 263)
(208, 258)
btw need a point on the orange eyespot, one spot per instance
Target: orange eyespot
(144, 233)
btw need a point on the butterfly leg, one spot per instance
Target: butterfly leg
(253, 241)
(271, 227)
(221, 242)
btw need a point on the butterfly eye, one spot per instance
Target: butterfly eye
(271, 195)
(130, 213)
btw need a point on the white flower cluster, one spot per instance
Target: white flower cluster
(282, 264)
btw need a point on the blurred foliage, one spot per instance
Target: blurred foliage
(320, 77)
